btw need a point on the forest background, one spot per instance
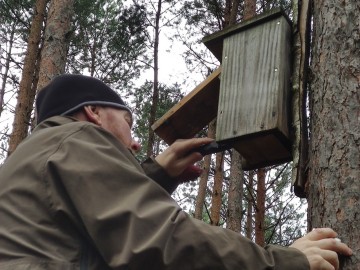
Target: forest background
(138, 47)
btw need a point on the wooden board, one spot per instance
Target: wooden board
(214, 42)
(254, 87)
(192, 113)
(254, 100)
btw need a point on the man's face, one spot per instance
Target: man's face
(119, 123)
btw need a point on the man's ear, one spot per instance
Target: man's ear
(93, 114)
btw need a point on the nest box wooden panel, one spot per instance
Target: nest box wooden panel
(192, 113)
(253, 109)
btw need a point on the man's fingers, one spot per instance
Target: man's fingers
(185, 146)
(318, 262)
(320, 233)
(331, 257)
(334, 245)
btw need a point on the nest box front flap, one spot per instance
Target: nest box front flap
(192, 113)
(214, 42)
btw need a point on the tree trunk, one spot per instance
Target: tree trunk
(57, 36)
(334, 167)
(260, 208)
(155, 97)
(235, 193)
(200, 199)
(217, 190)
(249, 9)
(7, 67)
(27, 88)
(301, 48)
(235, 196)
(250, 201)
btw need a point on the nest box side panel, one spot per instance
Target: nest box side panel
(254, 87)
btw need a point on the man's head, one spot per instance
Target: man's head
(67, 93)
(87, 99)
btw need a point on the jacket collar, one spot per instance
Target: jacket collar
(55, 121)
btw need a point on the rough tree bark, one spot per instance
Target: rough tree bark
(57, 36)
(28, 81)
(334, 167)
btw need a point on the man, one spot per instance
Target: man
(72, 196)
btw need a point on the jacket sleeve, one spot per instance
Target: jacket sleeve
(134, 223)
(153, 170)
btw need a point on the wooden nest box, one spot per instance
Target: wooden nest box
(254, 89)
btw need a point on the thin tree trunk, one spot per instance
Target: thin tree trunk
(250, 201)
(27, 88)
(235, 193)
(200, 199)
(235, 196)
(249, 9)
(7, 67)
(260, 208)
(234, 11)
(217, 190)
(57, 36)
(155, 97)
(334, 167)
(301, 48)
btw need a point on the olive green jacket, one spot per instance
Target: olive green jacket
(73, 197)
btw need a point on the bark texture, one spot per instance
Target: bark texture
(334, 172)
(57, 36)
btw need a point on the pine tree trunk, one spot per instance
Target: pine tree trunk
(250, 203)
(7, 67)
(217, 190)
(57, 36)
(334, 168)
(200, 198)
(155, 97)
(27, 88)
(235, 193)
(260, 208)
(249, 9)
(235, 196)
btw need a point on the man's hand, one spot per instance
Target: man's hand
(178, 160)
(321, 248)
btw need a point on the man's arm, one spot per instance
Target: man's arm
(319, 246)
(134, 223)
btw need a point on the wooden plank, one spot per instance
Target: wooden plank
(263, 149)
(254, 93)
(255, 81)
(214, 42)
(192, 113)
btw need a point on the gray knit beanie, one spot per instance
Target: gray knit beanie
(67, 93)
